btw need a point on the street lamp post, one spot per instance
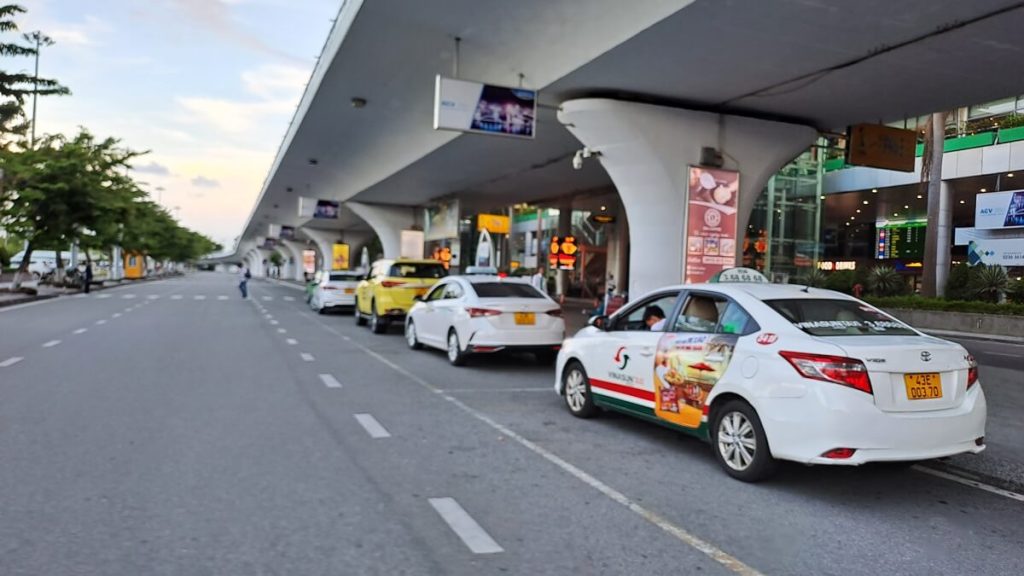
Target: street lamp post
(40, 40)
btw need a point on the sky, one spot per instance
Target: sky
(208, 87)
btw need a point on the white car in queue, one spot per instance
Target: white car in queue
(335, 290)
(769, 372)
(465, 315)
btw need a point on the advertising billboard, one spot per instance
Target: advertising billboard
(493, 223)
(309, 261)
(411, 244)
(319, 208)
(287, 233)
(880, 146)
(999, 210)
(441, 221)
(339, 257)
(484, 108)
(711, 204)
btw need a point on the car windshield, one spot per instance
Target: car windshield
(824, 317)
(344, 276)
(505, 290)
(417, 270)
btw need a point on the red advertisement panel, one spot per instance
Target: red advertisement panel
(712, 199)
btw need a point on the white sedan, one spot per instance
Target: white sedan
(767, 372)
(336, 290)
(465, 315)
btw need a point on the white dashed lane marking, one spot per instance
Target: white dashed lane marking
(289, 299)
(100, 322)
(222, 297)
(81, 331)
(51, 343)
(11, 361)
(292, 341)
(268, 298)
(472, 534)
(115, 315)
(372, 427)
(330, 381)
(128, 296)
(200, 297)
(103, 296)
(274, 322)
(281, 331)
(307, 356)
(176, 297)
(153, 296)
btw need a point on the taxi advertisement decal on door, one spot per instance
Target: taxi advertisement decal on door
(686, 367)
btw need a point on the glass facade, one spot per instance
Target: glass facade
(783, 237)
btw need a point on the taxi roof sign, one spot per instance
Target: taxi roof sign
(742, 275)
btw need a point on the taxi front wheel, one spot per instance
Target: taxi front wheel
(740, 444)
(576, 388)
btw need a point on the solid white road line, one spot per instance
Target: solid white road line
(307, 356)
(728, 561)
(330, 381)
(100, 322)
(473, 536)
(292, 341)
(281, 331)
(51, 343)
(1007, 354)
(11, 361)
(969, 482)
(372, 427)
(81, 331)
(461, 390)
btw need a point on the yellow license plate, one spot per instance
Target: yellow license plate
(923, 386)
(526, 318)
(350, 290)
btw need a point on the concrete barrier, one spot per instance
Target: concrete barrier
(961, 321)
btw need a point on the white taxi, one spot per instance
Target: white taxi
(335, 290)
(769, 372)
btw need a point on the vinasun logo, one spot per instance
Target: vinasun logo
(622, 360)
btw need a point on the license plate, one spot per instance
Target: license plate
(350, 290)
(923, 386)
(525, 318)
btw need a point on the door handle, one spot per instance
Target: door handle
(647, 351)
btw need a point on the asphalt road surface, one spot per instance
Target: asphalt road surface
(172, 428)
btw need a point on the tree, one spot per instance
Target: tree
(16, 87)
(936, 240)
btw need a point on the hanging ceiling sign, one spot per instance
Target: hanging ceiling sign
(484, 108)
(287, 233)
(493, 223)
(319, 208)
(562, 252)
(880, 146)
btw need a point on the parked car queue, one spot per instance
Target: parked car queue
(763, 372)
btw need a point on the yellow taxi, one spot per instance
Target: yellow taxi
(389, 290)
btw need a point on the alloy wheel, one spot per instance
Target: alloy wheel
(575, 390)
(737, 441)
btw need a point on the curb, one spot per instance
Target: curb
(974, 336)
(1009, 484)
(27, 299)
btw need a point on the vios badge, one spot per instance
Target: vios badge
(926, 356)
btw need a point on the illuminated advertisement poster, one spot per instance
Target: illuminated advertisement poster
(441, 221)
(320, 209)
(339, 257)
(475, 107)
(686, 367)
(309, 261)
(999, 210)
(712, 197)
(287, 233)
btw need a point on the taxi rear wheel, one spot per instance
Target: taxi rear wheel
(456, 356)
(410, 336)
(576, 389)
(740, 444)
(377, 324)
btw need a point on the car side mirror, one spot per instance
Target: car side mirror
(600, 322)
(417, 298)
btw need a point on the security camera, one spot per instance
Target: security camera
(577, 160)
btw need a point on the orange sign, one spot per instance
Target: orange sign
(880, 146)
(443, 255)
(493, 223)
(562, 253)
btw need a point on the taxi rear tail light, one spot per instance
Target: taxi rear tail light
(972, 371)
(390, 283)
(835, 369)
(481, 312)
(839, 453)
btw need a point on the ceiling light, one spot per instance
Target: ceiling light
(895, 213)
(906, 207)
(963, 202)
(822, 197)
(919, 196)
(984, 189)
(603, 208)
(858, 210)
(874, 190)
(847, 223)
(866, 202)
(1010, 175)
(852, 217)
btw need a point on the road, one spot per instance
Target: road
(172, 428)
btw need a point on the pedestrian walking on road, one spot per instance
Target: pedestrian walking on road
(243, 281)
(87, 276)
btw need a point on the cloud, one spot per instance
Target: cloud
(153, 168)
(204, 182)
(79, 34)
(216, 17)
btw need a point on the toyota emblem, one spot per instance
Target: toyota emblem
(926, 356)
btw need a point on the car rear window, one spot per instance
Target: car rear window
(822, 317)
(417, 270)
(505, 290)
(345, 276)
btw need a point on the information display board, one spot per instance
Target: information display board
(902, 240)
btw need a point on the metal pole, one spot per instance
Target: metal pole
(35, 90)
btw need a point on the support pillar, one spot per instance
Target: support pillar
(943, 239)
(324, 240)
(295, 250)
(646, 150)
(388, 222)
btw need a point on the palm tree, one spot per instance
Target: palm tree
(936, 240)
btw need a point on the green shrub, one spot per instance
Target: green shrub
(843, 281)
(942, 305)
(812, 277)
(886, 281)
(989, 283)
(1015, 292)
(958, 285)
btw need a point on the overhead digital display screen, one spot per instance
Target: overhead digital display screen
(900, 240)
